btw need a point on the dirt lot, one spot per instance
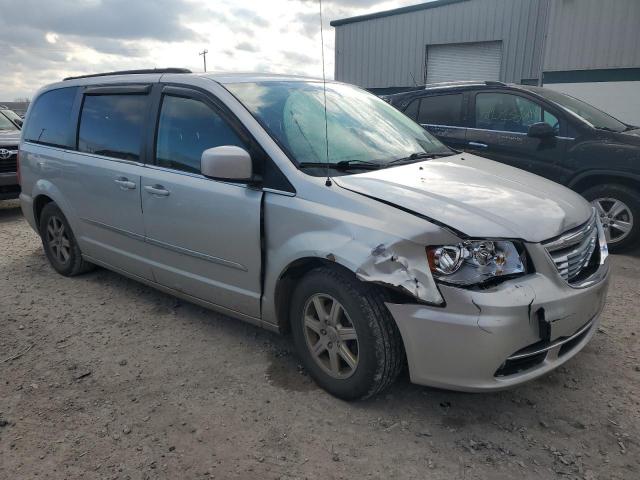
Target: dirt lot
(102, 377)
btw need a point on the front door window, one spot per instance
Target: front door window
(510, 113)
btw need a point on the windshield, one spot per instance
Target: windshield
(587, 112)
(6, 124)
(361, 127)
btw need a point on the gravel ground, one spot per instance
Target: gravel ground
(102, 377)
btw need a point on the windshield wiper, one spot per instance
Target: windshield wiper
(609, 129)
(414, 157)
(343, 165)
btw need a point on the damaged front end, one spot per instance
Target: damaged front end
(403, 266)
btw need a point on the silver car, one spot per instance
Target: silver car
(321, 212)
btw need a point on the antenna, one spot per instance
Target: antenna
(324, 91)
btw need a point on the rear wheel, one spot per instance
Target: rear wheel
(60, 244)
(344, 334)
(619, 210)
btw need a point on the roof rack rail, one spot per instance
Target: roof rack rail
(495, 83)
(131, 72)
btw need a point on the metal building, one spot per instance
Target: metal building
(590, 48)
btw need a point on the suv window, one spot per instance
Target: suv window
(510, 113)
(112, 125)
(188, 127)
(49, 120)
(441, 110)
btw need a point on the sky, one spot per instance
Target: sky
(43, 41)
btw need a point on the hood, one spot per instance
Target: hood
(9, 137)
(632, 135)
(478, 197)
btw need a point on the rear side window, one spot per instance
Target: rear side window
(49, 120)
(112, 125)
(441, 110)
(188, 127)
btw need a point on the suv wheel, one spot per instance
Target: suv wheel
(60, 244)
(344, 334)
(619, 210)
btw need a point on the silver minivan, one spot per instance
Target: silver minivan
(318, 210)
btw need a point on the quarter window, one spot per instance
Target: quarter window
(188, 127)
(112, 125)
(441, 110)
(552, 120)
(49, 120)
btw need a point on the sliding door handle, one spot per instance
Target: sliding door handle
(158, 190)
(478, 145)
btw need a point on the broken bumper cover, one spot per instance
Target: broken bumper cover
(496, 338)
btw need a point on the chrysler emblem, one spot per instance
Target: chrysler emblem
(4, 153)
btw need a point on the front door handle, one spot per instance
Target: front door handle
(125, 183)
(158, 190)
(478, 145)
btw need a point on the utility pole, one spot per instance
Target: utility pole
(204, 58)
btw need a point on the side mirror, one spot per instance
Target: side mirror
(227, 163)
(18, 122)
(541, 130)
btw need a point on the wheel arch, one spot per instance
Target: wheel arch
(297, 269)
(586, 180)
(45, 192)
(286, 284)
(39, 203)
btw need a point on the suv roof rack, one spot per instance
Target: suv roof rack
(131, 72)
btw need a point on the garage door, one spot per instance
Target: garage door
(464, 61)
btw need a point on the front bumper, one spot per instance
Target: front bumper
(496, 338)
(9, 187)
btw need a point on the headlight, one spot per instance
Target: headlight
(476, 261)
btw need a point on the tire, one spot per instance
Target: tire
(378, 348)
(57, 238)
(603, 197)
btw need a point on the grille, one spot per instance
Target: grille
(574, 252)
(9, 164)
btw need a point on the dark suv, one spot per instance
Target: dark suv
(9, 141)
(545, 132)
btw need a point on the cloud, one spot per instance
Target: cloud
(247, 47)
(115, 19)
(299, 58)
(44, 41)
(247, 15)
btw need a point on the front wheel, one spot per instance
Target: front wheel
(619, 210)
(344, 334)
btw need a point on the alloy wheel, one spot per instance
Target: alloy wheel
(616, 218)
(58, 240)
(330, 336)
